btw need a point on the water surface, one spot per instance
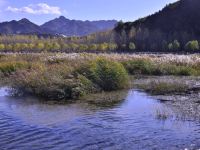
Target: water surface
(28, 124)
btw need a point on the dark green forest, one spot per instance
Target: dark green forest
(175, 28)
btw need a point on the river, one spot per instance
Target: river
(29, 124)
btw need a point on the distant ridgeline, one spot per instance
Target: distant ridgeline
(176, 27)
(59, 26)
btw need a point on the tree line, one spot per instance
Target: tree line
(103, 42)
(33, 43)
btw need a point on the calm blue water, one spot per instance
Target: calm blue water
(27, 124)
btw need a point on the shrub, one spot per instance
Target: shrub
(40, 46)
(9, 67)
(85, 86)
(178, 70)
(132, 46)
(56, 46)
(93, 47)
(148, 67)
(170, 46)
(106, 74)
(175, 45)
(112, 46)
(83, 47)
(2, 47)
(139, 66)
(164, 87)
(46, 82)
(103, 47)
(192, 45)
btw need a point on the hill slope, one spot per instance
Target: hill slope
(178, 21)
(23, 26)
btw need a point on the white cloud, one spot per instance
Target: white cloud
(38, 9)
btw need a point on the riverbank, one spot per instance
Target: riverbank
(184, 98)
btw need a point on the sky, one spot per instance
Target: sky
(40, 11)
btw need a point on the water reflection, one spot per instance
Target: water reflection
(35, 111)
(128, 124)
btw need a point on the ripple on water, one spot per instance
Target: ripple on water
(27, 124)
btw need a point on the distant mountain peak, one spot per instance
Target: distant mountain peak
(23, 26)
(69, 27)
(62, 17)
(24, 20)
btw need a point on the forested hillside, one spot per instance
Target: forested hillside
(176, 27)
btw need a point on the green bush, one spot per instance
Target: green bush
(192, 45)
(178, 70)
(108, 75)
(2, 46)
(175, 45)
(86, 85)
(170, 46)
(139, 66)
(147, 67)
(47, 82)
(132, 46)
(9, 67)
(164, 87)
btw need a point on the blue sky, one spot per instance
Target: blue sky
(40, 11)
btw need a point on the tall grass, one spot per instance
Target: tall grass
(65, 76)
(148, 67)
(69, 79)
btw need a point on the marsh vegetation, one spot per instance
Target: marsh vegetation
(71, 76)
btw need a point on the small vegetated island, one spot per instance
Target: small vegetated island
(70, 76)
(47, 64)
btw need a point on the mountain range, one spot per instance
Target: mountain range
(58, 26)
